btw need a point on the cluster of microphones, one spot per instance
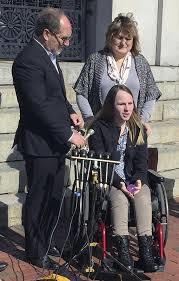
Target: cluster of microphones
(87, 163)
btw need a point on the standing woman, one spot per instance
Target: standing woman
(120, 62)
(119, 131)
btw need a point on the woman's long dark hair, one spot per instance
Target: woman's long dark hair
(107, 113)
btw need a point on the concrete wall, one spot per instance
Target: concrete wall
(165, 37)
(170, 33)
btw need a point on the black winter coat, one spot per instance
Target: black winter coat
(105, 139)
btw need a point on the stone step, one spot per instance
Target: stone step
(11, 206)
(164, 132)
(170, 91)
(165, 73)
(71, 71)
(173, 174)
(6, 151)
(5, 73)
(165, 110)
(167, 156)
(8, 97)
(11, 209)
(9, 120)
(12, 177)
(166, 151)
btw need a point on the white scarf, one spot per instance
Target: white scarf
(120, 77)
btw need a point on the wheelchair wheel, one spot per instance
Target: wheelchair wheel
(163, 212)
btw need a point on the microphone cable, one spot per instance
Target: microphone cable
(55, 226)
(59, 213)
(53, 230)
(68, 234)
(62, 269)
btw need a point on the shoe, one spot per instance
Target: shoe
(54, 252)
(44, 262)
(3, 265)
(146, 260)
(124, 256)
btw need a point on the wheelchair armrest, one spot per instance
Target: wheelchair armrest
(155, 177)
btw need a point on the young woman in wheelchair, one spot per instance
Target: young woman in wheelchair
(119, 131)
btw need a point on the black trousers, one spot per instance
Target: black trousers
(45, 178)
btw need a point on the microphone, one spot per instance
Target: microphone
(90, 132)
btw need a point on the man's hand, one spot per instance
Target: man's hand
(77, 139)
(77, 120)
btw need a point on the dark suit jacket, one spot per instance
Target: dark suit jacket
(44, 126)
(105, 139)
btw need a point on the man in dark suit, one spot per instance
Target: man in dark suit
(44, 133)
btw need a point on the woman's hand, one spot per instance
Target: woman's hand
(138, 186)
(124, 189)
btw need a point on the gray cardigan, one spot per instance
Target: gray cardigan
(88, 83)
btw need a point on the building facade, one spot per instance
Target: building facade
(157, 23)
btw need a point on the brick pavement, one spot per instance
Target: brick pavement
(12, 251)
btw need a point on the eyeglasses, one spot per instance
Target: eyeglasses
(64, 39)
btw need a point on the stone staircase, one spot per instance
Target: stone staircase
(165, 136)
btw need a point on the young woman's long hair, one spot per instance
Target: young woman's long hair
(108, 111)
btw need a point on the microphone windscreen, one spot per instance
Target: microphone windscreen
(89, 133)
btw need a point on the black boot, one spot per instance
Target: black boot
(146, 260)
(124, 257)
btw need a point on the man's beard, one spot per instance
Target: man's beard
(58, 52)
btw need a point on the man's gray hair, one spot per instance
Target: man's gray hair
(48, 18)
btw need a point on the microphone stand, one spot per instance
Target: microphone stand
(81, 183)
(76, 184)
(86, 187)
(83, 153)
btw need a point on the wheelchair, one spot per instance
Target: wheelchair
(89, 203)
(160, 215)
